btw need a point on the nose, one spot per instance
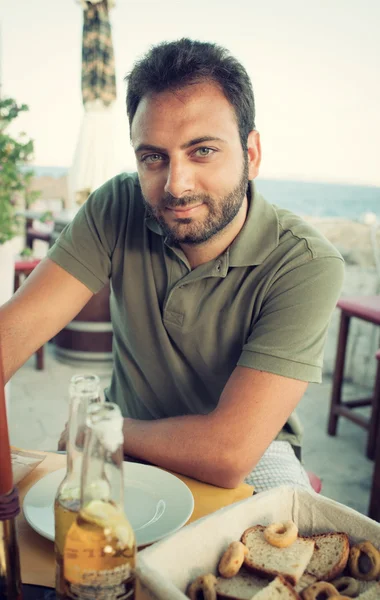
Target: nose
(180, 179)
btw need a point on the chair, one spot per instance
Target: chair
(366, 308)
(23, 268)
(33, 234)
(374, 503)
(315, 482)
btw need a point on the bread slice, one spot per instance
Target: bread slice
(278, 589)
(240, 587)
(330, 555)
(372, 593)
(268, 561)
(306, 580)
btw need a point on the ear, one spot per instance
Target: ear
(254, 153)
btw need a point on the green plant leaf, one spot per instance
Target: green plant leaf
(16, 152)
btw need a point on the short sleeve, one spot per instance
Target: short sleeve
(289, 334)
(85, 246)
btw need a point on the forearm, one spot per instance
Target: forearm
(225, 445)
(38, 310)
(15, 346)
(185, 444)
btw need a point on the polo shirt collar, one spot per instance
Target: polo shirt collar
(152, 224)
(256, 240)
(259, 235)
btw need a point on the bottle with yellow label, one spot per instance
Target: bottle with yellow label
(99, 553)
(84, 390)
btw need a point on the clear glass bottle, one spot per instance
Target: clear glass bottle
(10, 578)
(84, 390)
(100, 548)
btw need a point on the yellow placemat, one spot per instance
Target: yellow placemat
(209, 498)
(37, 553)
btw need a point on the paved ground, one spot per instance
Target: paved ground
(39, 407)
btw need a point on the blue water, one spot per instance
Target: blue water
(303, 198)
(322, 199)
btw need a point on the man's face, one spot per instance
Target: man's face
(191, 166)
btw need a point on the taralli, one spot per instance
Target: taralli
(281, 535)
(373, 556)
(232, 559)
(347, 585)
(319, 590)
(205, 584)
(321, 566)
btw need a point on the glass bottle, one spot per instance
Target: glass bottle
(10, 579)
(83, 391)
(100, 548)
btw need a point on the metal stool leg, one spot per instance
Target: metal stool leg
(336, 396)
(40, 359)
(374, 503)
(17, 282)
(374, 424)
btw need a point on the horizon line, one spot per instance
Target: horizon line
(282, 178)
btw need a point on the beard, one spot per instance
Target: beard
(192, 231)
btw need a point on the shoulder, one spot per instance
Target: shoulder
(117, 199)
(121, 187)
(295, 231)
(304, 255)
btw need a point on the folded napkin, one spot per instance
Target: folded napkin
(24, 462)
(278, 466)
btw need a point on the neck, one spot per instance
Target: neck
(215, 246)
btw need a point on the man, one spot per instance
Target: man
(220, 302)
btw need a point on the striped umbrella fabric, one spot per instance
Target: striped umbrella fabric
(96, 158)
(98, 63)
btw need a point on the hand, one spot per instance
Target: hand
(64, 436)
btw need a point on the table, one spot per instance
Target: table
(37, 553)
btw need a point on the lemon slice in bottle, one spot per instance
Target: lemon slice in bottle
(100, 513)
(110, 518)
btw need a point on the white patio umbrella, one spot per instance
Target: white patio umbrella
(95, 157)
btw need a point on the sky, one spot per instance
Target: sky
(314, 66)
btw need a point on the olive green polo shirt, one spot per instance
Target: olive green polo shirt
(179, 333)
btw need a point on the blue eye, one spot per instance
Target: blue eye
(151, 158)
(204, 151)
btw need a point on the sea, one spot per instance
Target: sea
(305, 198)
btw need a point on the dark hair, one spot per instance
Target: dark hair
(173, 65)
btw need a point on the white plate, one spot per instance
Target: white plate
(156, 502)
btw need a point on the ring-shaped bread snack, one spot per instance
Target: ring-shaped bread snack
(320, 587)
(347, 586)
(232, 559)
(373, 556)
(281, 535)
(205, 584)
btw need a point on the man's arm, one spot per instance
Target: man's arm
(224, 446)
(48, 300)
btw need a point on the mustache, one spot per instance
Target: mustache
(169, 201)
